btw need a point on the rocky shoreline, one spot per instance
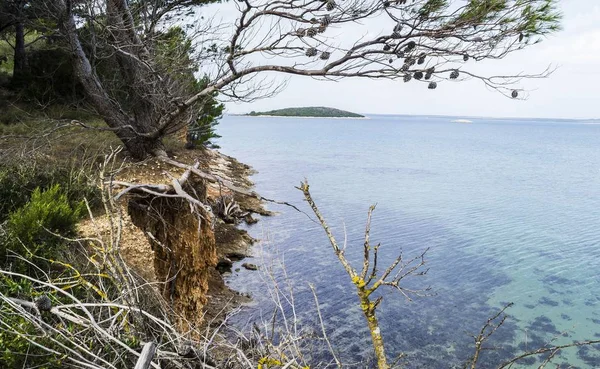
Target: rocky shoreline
(233, 244)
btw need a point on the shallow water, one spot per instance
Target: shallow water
(509, 209)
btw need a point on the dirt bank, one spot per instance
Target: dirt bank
(195, 282)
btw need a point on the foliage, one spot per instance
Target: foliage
(175, 45)
(50, 78)
(201, 132)
(314, 111)
(18, 182)
(32, 225)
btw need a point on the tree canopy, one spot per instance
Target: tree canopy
(423, 41)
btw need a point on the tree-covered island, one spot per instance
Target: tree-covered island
(312, 111)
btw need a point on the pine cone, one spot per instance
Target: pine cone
(465, 57)
(386, 47)
(411, 45)
(325, 55)
(407, 77)
(311, 52)
(43, 303)
(454, 74)
(330, 5)
(432, 86)
(418, 75)
(515, 94)
(311, 32)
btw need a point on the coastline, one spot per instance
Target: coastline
(231, 242)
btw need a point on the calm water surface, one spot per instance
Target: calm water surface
(509, 209)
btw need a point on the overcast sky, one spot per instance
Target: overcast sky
(572, 91)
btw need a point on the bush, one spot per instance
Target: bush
(31, 226)
(50, 77)
(18, 181)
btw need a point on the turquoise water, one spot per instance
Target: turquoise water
(510, 210)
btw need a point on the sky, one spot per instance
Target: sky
(572, 91)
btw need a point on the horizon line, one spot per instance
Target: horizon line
(457, 116)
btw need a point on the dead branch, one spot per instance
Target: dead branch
(365, 288)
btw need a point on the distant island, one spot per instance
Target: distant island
(313, 111)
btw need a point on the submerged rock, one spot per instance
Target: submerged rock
(250, 266)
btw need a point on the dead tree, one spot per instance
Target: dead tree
(427, 41)
(368, 280)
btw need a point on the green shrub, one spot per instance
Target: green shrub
(50, 77)
(32, 225)
(18, 181)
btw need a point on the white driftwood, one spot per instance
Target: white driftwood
(146, 356)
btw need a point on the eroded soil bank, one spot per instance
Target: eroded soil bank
(163, 244)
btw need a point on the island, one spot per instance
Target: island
(312, 111)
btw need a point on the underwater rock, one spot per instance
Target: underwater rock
(250, 266)
(546, 301)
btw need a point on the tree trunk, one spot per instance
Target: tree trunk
(20, 57)
(134, 132)
(141, 148)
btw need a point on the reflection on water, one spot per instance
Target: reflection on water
(509, 209)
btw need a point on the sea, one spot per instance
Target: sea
(507, 210)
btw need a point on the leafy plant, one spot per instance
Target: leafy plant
(32, 226)
(175, 45)
(15, 350)
(18, 181)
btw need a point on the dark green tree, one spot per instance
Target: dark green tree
(202, 131)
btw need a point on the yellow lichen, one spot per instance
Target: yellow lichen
(358, 281)
(267, 361)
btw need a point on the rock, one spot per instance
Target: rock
(237, 269)
(250, 266)
(235, 256)
(249, 219)
(224, 265)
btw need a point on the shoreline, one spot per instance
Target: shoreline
(233, 244)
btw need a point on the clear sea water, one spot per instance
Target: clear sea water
(510, 210)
